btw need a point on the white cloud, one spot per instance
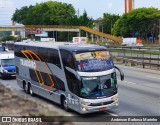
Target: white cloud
(110, 5)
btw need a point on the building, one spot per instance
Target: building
(128, 5)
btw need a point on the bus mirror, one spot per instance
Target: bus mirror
(121, 73)
(58, 65)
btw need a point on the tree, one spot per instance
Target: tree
(8, 38)
(51, 13)
(20, 16)
(84, 20)
(108, 22)
(47, 13)
(137, 22)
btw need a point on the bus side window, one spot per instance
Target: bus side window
(54, 57)
(68, 61)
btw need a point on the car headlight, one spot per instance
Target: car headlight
(114, 98)
(5, 71)
(85, 103)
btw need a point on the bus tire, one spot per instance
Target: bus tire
(25, 86)
(2, 76)
(30, 89)
(64, 103)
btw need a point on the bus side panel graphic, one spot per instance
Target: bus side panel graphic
(33, 65)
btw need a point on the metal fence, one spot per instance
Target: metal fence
(147, 57)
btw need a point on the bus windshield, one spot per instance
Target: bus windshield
(7, 62)
(98, 86)
(93, 61)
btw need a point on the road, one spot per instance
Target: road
(139, 93)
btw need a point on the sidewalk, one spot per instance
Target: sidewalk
(14, 104)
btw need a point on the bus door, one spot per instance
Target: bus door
(72, 80)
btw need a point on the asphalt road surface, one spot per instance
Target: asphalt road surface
(139, 94)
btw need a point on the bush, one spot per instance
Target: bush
(8, 38)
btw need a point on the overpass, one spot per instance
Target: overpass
(60, 28)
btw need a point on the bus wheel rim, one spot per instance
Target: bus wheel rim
(26, 87)
(31, 92)
(65, 104)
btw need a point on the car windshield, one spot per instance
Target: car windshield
(98, 86)
(2, 48)
(7, 62)
(93, 61)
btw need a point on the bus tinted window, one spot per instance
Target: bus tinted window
(47, 78)
(39, 53)
(67, 59)
(72, 81)
(50, 55)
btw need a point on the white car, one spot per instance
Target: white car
(139, 44)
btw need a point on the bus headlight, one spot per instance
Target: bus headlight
(114, 98)
(85, 103)
(84, 109)
(5, 71)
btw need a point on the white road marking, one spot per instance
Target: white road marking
(111, 114)
(128, 82)
(152, 77)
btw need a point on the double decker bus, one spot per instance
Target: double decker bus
(80, 77)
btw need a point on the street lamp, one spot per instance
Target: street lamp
(159, 32)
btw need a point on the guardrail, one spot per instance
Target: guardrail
(147, 57)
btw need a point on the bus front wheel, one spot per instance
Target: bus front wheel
(2, 76)
(64, 103)
(25, 85)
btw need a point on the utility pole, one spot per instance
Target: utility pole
(111, 27)
(159, 32)
(102, 32)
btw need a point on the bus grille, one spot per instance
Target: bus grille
(11, 70)
(101, 103)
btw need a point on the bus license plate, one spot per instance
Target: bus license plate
(101, 109)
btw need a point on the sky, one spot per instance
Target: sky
(94, 8)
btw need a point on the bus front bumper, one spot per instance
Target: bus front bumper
(9, 74)
(102, 106)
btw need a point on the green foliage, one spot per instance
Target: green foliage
(47, 13)
(84, 20)
(50, 13)
(108, 22)
(140, 22)
(8, 38)
(20, 16)
(101, 43)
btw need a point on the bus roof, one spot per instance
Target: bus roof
(63, 45)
